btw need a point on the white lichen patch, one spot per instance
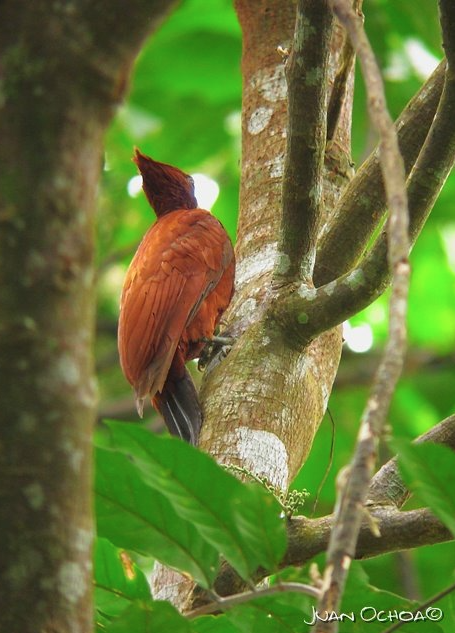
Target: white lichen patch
(74, 454)
(305, 364)
(283, 263)
(307, 292)
(259, 120)
(246, 309)
(71, 581)
(67, 370)
(261, 452)
(355, 279)
(82, 540)
(275, 166)
(271, 84)
(34, 495)
(307, 265)
(329, 288)
(255, 265)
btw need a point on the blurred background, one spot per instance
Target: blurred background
(184, 108)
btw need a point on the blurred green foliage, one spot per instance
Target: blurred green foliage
(184, 108)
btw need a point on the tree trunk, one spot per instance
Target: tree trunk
(264, 403)
(64, 68)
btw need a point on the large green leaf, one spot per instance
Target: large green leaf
(155, 617)
(241, 521)
(135, 516)
(429, 471)
(284, 612)
(374, 609)
(117, 583)
(214, 624)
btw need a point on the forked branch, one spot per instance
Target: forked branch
(362, 206)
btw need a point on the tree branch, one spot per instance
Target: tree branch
(397, 530)
(349, 511)
(387, 487)
(222, 604)
(307, 79)
(362, 205)
(308, 312)
(309, 537)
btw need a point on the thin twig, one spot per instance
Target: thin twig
(329, 465)
(349, 512)
(428, 603)
(307, 79)
(222, 604)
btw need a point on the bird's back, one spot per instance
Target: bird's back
(177, 286)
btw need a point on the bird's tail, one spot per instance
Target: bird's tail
(179, 405)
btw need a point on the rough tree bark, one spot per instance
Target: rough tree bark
(64, 68)
(264, 417)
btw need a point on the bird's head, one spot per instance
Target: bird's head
(167, 188)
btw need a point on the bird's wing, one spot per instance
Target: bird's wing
(178, 263)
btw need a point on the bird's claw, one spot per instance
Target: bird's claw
(215, 350)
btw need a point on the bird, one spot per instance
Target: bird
(179, 283)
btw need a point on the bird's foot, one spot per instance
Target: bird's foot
(215, 350)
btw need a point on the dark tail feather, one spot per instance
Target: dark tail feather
(179, 405)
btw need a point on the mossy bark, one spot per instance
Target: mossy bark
(64, 68)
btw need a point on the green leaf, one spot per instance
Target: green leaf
(280, 613)
(375, 609)
(135, 516)
(429, 471)
(241, 521)
(214, 624)
(118, 583)
(155, 617)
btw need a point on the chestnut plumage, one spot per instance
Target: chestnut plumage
(178, 285)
